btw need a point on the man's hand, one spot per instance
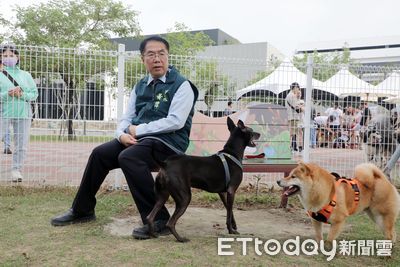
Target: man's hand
(127, 140)
(132, 130)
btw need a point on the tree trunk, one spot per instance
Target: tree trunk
(69, 105)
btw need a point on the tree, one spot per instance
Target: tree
(324, 63)
(327, 64)
(184, 43)
(209, 80)
(3, 26)
(74, 24)
(204, 72)
(271, 66)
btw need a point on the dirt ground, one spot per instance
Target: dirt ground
(271, 223)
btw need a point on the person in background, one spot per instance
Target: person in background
(313, 128)
(365, 119)
(322, 129)
(355, 130)
(228, 110)
(395, 121)
(6, 138)
(17, 90)
(335, 118)
(349, 121)
(294, 110)
(394, 118)
(366, 114)
(156, 125)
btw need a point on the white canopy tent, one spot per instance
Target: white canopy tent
(391, 84)
(279, 80)
(393, 100)
(344, 83)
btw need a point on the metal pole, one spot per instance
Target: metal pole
(307, 115)
(120, 82)
(120, 102)
(85, 106)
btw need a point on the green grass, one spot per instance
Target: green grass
(28, 239)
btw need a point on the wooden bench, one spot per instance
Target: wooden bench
(208, 135)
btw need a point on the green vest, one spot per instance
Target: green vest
(153, 104)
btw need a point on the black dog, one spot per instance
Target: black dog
(181, 172)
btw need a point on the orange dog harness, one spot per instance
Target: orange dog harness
(325, 213)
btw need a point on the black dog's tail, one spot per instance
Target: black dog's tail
(160, 183)
(161, 164)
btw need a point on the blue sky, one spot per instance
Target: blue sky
(283, 23)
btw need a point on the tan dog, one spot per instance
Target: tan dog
(317, 187)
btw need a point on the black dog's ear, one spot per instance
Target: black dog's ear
(240, 124)
(231, 124)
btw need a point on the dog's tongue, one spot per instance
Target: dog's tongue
(291, 190)
(259, 156)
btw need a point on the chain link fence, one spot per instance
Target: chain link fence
(82, 93)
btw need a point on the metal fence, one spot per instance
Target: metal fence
(82, 93)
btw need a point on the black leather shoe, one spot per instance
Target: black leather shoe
(70, 217)
(143, 232)
(7, 151)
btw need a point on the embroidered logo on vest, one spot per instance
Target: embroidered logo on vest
(160, 97)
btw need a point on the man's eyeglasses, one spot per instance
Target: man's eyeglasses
(153, 55)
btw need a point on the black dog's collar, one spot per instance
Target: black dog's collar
(222, 156)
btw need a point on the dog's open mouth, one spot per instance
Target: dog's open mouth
(293, 189)
(255, 136)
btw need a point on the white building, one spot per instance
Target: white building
(376, 51)
(241, 62)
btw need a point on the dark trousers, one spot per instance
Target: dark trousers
(136, 162)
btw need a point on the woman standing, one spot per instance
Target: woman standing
(6, 138)
(17, 90)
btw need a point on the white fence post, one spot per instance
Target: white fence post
(307, 115)
(121, 80)
(120, 102)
